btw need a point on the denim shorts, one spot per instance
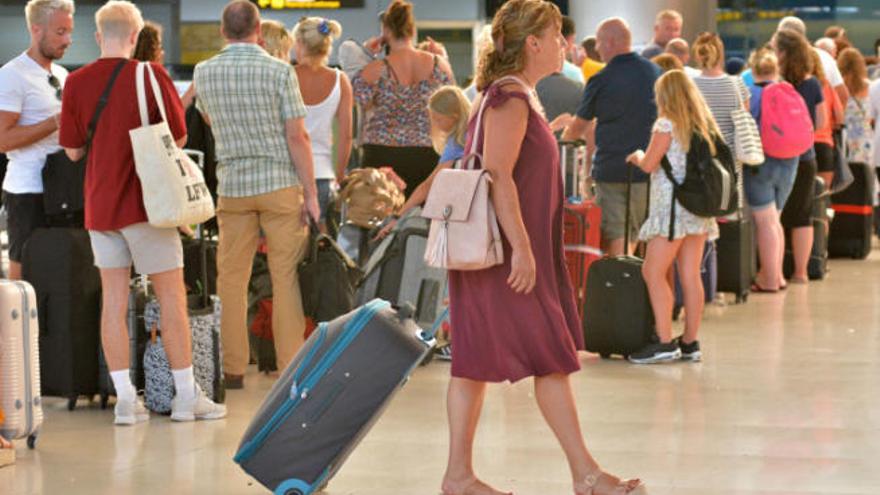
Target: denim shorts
(770, 183)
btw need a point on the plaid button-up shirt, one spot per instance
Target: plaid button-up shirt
(248, 95)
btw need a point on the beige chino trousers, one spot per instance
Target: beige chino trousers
(279, 215)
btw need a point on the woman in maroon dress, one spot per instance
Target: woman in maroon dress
(519, 319)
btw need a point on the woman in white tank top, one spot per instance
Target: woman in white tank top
(328, 97)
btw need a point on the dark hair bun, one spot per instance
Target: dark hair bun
(399, 20)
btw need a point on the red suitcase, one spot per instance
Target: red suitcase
(582, 237)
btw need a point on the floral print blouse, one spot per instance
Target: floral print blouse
(398, 114)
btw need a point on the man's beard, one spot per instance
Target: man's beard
(49, 54)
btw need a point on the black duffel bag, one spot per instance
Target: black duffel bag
(327, 278)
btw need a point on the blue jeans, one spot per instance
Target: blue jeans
(770, 183)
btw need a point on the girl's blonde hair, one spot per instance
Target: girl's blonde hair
(276, 40)
(708, 51)
(763, 62)
(679, 100)
(450, 101)
(315, 35)
(514, 22)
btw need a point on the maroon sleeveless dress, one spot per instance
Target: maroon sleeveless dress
(499, 335)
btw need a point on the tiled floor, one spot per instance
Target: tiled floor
(786, 402)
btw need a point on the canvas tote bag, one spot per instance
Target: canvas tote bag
(464, 233)
(173, 186)
(748, 149)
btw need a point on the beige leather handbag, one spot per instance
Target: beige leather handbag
(464, 232)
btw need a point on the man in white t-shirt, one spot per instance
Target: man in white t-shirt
(30, 104)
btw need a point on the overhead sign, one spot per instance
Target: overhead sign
(308, 4)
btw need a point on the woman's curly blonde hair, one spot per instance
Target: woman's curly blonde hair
(514, 22)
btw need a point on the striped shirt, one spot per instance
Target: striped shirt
(248, 95)
(720, 95)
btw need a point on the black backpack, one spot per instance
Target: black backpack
(709, 188)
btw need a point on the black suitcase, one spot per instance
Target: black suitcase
(330, 396)
(850, 235)
(818, 263)
(618, 318)
(737, 257)
(397, 271)
(192, 267)
(58, 262)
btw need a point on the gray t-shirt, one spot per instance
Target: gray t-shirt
(558, 95)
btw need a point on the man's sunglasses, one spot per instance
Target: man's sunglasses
(55, 83)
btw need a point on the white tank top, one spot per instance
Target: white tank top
(319, 123)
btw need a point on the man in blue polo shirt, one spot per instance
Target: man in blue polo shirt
(615, 119)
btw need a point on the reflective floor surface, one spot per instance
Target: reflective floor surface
(787, 401)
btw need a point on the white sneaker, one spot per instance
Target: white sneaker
(130, 412)
(199, 407)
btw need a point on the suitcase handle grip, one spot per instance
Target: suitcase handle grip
(307, 360)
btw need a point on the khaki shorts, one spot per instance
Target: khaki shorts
(611, 197)
(153, 250)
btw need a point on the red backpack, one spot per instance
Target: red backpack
(786, 126)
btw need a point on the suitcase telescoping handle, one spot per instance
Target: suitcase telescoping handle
(629, 183)
(199, 158)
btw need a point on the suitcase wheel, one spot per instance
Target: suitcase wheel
(71, 403)
(32, 441)
(105, 398)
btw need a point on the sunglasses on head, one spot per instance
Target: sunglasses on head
(55, 83)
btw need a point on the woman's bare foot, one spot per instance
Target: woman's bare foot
(603, 483)
(469, 486)
(4, 443)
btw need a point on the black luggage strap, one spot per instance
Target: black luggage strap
(102, 102)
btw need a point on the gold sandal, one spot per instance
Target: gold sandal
(591, 483)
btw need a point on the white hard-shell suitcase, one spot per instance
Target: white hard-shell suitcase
(19, 362)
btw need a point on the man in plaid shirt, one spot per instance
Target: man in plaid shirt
(266, 181)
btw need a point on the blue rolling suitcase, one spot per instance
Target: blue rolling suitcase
(330, 396)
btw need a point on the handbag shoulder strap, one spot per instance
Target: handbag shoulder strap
(142, 93)
(102, 102)
(478, 127)
(740, 103)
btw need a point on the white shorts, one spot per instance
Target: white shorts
(153, 250)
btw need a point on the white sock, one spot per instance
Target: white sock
(185, 383)
(122, 383)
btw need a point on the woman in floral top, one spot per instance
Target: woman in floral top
(859, 133)
(394, 92)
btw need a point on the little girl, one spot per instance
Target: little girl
(682, 114)
(449, 109)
